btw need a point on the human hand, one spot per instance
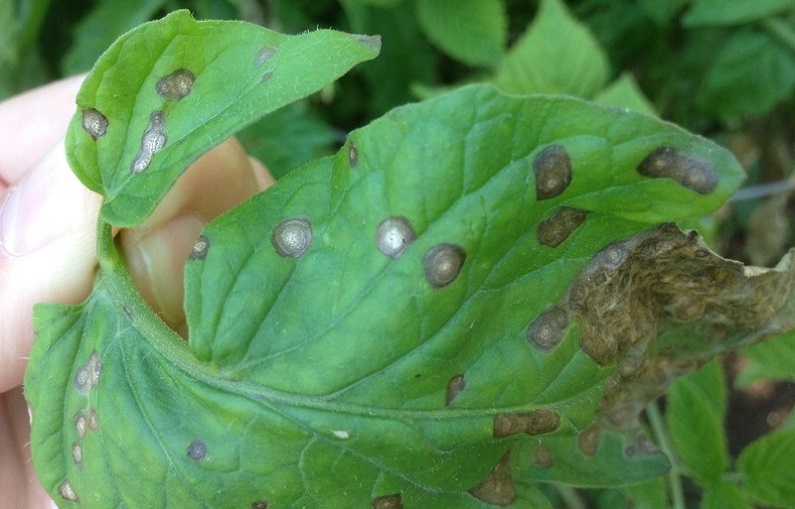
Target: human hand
(47, 247)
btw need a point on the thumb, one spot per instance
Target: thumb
(47, 253)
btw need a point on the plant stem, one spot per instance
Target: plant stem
(781, 31)
(660, 431)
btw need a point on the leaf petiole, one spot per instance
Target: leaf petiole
(664, 441)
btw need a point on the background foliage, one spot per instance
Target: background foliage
(722, 68)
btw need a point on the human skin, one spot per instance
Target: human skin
(48, 245)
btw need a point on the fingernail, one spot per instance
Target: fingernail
(157, 259)
(45, 205)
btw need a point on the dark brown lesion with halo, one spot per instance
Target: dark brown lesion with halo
(175, 86)
(688, 170)
(200, 248)
(497, 488)
(455, 386)
(153, 141)
(552, 168)
(94, 123)
(555, 229)
(393, 501)
(443, 264)
(535, 422)
(292, 237)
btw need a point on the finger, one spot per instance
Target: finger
(47, 253)
(31, 123)
(19, 486)
(156, 251)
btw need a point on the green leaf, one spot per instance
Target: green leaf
(725, 495)
(749, 75)
(663, 13)
(408, 58)
(556, 55)
(732, 12)
(377, 3)
(626, 93)
(472, 31)
(695, 412)
(772, 360)
(103, 25)
(161, 102)
(20, 27)
(373, 325)
(766, 467)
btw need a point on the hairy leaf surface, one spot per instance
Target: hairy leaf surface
(439, 315)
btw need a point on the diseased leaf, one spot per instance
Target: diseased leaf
(750, 74)
(732, 12)
(344, 324)
(154, 103)
(556, 55)
(472, 31)
(695, 411)
(474, 294)
(765, 467)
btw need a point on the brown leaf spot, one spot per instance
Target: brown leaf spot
(547, 331)
(259, 504)
(81, 424)
(552, 168)
(555, 229)
(455, 386)
(393, 236)
(443, 264)
(588, 440)
(542, 457)
(353, 155)
(689, 171)
(371, 41)
(200, 248)
(152, 141)
(176, 85)
(87, 376)
(641, 446)
(197, 450)
(94, 123)
(497, 488)
(77, 454)
(92, 420)
(263, 55)
(66, 490)
(388, 502)
(293, 237)
(537, 422)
